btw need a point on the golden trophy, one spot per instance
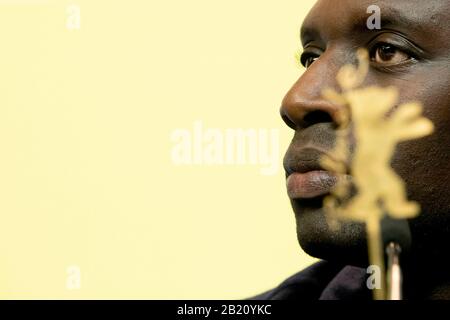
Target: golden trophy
(371, 114)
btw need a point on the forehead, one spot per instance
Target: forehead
(333, 18)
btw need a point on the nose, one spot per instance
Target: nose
(303, 105)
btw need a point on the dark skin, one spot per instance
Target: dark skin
(411, 52)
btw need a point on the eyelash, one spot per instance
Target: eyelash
(302, 58)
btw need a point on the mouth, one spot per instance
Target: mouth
(311, 184)
(306, 177)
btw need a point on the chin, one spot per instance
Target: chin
(347, 245)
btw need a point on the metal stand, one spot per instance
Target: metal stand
(394, 272)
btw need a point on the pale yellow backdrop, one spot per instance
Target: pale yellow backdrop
(87, 181)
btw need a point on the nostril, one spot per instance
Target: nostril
(315, 117)
(288, 121)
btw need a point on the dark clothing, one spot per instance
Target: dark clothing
(322, 281)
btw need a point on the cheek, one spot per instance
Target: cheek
(424, 163)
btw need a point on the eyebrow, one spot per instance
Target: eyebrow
(391, 18)
(394, 18)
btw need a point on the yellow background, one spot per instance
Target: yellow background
(86, 176)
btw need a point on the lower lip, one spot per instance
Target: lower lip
(310, 184)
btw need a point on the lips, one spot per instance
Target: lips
(306, 178)
(310, 184)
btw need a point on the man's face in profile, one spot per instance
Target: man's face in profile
(411, 51)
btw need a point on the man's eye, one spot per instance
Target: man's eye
(308, 60)
(387, 54)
